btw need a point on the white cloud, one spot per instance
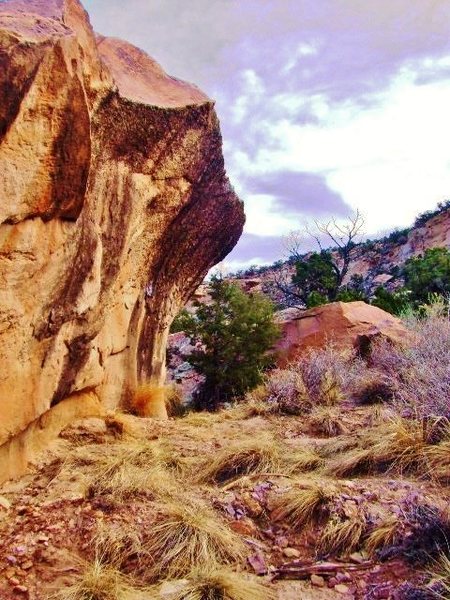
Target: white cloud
(264, 218)
(390, 159)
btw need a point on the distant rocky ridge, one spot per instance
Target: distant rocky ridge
(378, 261)
(115, 204)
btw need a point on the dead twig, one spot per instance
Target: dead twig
(299, 570)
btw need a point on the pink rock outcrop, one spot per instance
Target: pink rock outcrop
(115, 203)
(345, 324)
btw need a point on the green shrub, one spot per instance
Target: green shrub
(181, 322)
(235, 333)
(395, 303)
(428, 274)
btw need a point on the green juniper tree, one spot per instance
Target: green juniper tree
(234, 332)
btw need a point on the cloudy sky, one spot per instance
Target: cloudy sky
(326, 105)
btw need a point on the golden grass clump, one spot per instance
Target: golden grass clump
(186, 538)
(330, 390)
(438, 461)
(441, 574)
(126, 468)
(343, 534)
(115, 543)
(221, 584)
(286, 392)
(99, 581)
(174, 401)
(149, 400)
(399, 444)
(245, 457)
(352, 462)
(327, 421)
(301, 460)
(383, 534)
(304, 503)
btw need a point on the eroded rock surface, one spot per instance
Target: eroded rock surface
(114, 205)
(345, 324)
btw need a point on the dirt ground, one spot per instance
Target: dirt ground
(49, 518)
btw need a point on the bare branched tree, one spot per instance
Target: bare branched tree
(344, 237)
(338, 241)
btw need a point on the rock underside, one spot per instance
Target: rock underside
(115, 204)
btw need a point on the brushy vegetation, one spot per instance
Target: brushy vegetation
(188, 537)
(99, 581)
(343, 534)
(312, 424)
(244, 457)
(419, 372)
(303, 503)
(221, 584)
(234, 335)
(127, 468)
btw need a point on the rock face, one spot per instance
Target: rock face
(114, 205)
(347, 324)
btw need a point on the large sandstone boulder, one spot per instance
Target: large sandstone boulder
(114, 205)
(345, 324)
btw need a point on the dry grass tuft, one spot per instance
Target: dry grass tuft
(441, 575)
(330, 389)
(304, 503)
(438, 461)
(373, 389)
(327, 421)
(127, 468)
(221, 584)
(354, 461)
(399, 444)
(186, 538)
(241, 458)
(383, 535)
(325, 372)
(174, 401)
(149, 400)
(98, 581)
(286, 392)
(343, 534)
(301, 460)
(116, 543)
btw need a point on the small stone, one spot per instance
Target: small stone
(254, 509)
(13, 581)
(357, 558)
(21, 589)
(282, 541)
(317, 581)
(244, 527)
(291, 553)
(4, 503)
(343, 577)
(169, 588)
(26, 566)
(332, 582)
(340, 588)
